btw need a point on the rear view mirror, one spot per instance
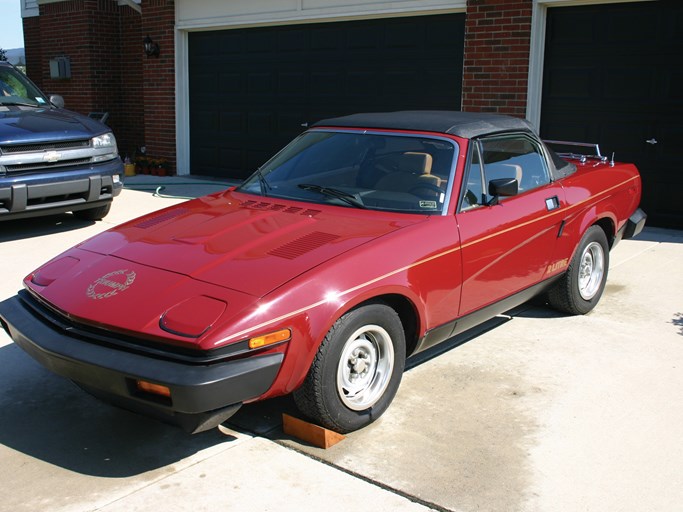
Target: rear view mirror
(57, 100)
(503, 187)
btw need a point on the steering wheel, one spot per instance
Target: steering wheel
(425, 186)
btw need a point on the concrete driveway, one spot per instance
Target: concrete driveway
(533, 412)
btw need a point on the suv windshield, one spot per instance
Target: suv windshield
(390, 172)
(16, 89)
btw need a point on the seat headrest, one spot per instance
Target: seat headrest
(415, 162)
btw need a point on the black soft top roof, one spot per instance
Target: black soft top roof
(463, 124)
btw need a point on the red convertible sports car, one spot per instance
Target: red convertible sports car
(369, 238)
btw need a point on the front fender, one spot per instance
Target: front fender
(310, 327)
(414, 264)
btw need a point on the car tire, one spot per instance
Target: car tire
(97, 213)
(356, 371)
(581, 287)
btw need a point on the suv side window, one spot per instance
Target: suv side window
(505, 156)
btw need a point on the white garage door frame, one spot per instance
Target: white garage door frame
(537, 52)
(192, 15)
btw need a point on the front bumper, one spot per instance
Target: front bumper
(51, 193)
(202, 395)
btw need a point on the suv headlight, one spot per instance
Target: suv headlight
(104, 147)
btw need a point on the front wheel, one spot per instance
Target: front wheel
(357, 370)
(581, 287)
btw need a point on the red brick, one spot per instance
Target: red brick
(497, 47)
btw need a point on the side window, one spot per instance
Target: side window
(514, 156)
(473, 195)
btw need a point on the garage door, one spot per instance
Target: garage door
(614, 75)
(251, 90)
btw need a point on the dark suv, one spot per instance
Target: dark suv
(52, 160)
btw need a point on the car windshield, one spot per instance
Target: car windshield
(357, 169)
(16, 89)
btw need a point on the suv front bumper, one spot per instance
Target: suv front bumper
(59, 192)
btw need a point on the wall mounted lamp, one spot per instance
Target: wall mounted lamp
(151, 48)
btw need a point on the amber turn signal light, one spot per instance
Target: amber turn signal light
(155, 389)
(269, 339)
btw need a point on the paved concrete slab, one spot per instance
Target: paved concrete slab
(536, 412)
(547, 412)
(261, 475)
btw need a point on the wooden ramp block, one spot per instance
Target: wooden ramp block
(310, 433)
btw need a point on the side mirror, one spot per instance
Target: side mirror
(57, 100)
(503, 187)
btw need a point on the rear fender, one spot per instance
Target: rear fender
(573, 229)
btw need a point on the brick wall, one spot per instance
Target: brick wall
(65, 30)
(158, 23)
(33, 49)
(496, 61)
(104, 44)
(132, 112)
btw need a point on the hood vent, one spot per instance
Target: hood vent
(301, 246)
(274, 207)
(310, 213)
(163, 217)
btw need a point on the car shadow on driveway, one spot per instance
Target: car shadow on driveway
(49, 418)
(21, 229)
(654, 234)
(265, 418)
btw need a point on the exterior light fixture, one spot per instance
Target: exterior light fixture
(151, 48)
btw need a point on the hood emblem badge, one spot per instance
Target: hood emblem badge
(110, 284)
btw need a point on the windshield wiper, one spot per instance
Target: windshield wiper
(262, 183)
(333, 192)
(27, 103)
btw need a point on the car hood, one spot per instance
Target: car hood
(34, 125)
(248, 245)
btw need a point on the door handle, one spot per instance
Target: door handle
(651, 141)
(552, 203)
